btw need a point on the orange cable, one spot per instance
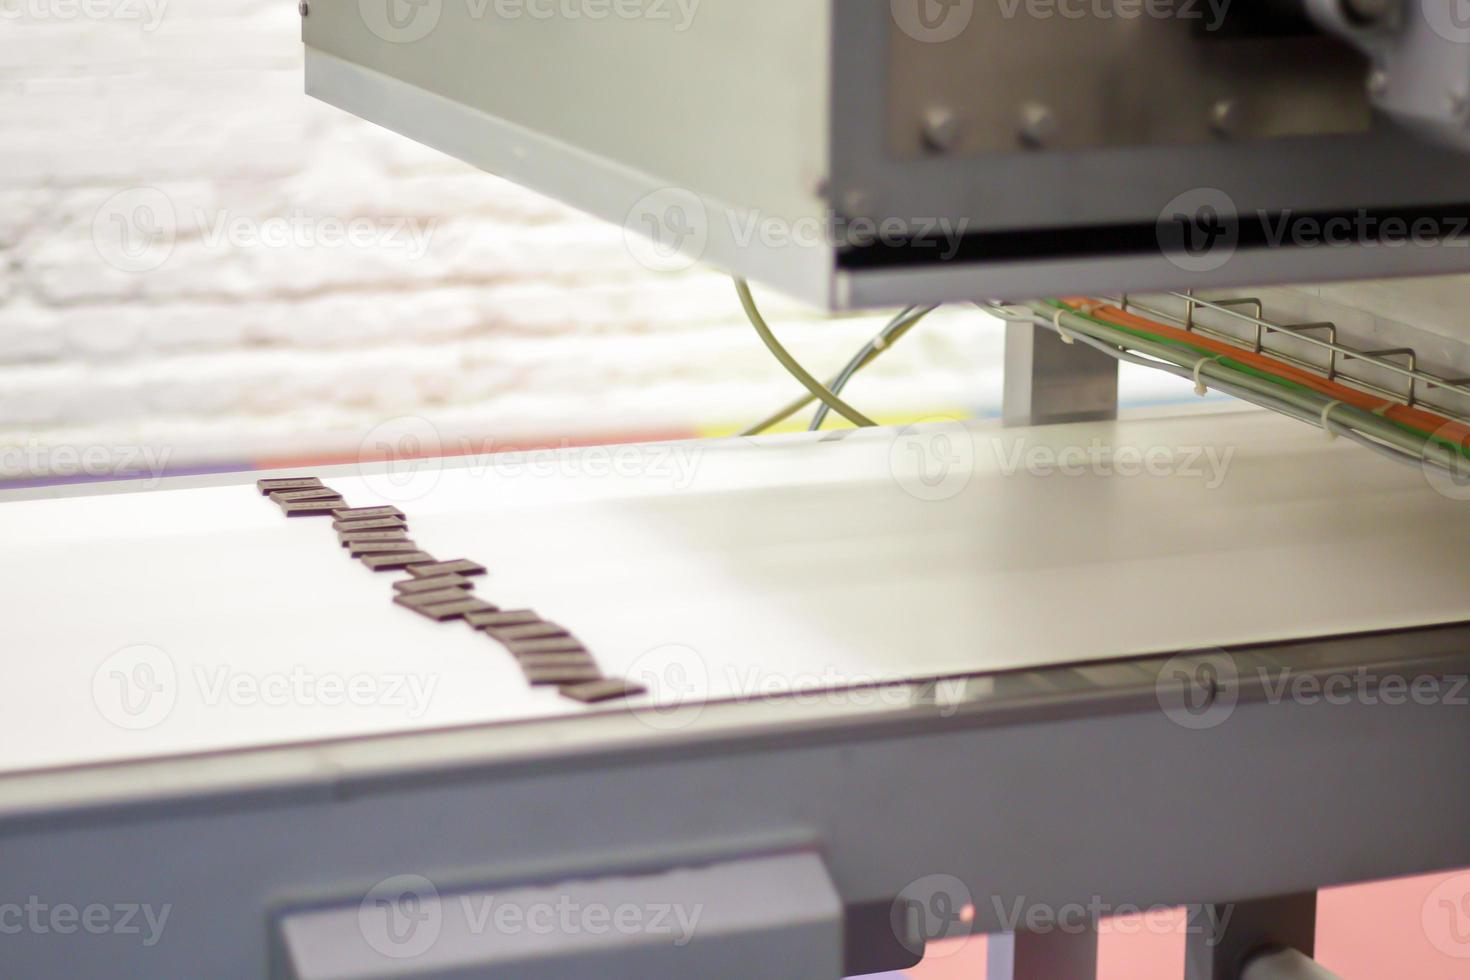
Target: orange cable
(1417, 418)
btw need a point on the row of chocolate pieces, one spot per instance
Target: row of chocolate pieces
(547, 653)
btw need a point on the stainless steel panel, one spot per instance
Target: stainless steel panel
(1110, 73)
(1061, 188)
(726, 98)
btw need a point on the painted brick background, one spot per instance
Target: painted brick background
(202, 266)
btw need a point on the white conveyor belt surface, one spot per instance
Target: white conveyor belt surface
(189, 620)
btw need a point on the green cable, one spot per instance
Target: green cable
(1308, 399)
(886, 338)
(1215, 366)
(1455, 447)
(793, 407)
(1268, 401)
(1163, 348)
(781, 415)
(1449, 444)
(777, 417)
(811, 384)
(1183, 345)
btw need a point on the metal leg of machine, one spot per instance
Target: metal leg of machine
(1055, 955)
(1285, 964)
(1048, 380)
(1265, 939)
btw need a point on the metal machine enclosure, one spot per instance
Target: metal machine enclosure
(1007, 152)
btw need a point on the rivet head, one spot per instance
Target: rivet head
(1038, 124)
(856, 203)
(941, 129)
(1224, 117)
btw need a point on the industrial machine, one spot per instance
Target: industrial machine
(854, 693)
(946, 149)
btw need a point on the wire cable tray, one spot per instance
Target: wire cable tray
(1338, 354)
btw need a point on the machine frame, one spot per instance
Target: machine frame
(1026, 786)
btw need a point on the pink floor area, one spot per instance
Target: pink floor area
(1404, 929)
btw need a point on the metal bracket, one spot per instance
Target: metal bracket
(1421, 65)
(1048, 380)
(757, 917)
(1238, 941)
(1042, 956)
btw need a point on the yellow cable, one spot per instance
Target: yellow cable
(811, 384)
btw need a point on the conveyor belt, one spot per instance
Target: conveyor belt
(707, 571)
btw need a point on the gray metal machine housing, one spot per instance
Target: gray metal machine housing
(850, 153)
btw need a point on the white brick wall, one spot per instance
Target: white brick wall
(519, 321)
